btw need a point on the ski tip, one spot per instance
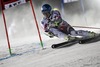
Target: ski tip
(53, 46)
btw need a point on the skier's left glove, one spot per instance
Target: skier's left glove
(51, 35)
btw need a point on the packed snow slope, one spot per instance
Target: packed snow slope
(28, 55)
(26, 49)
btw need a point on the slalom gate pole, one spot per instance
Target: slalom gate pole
(5, 25)
(36, 23)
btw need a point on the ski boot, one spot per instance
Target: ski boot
(69, 38)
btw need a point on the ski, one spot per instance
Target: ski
(90, 40)
(74, 41)
(63, 44)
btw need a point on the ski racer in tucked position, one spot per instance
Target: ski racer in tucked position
(54, 25)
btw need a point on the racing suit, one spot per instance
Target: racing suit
(55, 25)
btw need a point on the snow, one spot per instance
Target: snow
(31, 55)
(26, 48)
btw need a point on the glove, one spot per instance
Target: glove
(51, 35)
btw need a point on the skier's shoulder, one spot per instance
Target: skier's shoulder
(44, 20)
(55, 11)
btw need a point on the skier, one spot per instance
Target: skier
(54, 25)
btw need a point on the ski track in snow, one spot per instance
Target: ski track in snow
(30, 55)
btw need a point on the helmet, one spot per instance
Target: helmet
(46, 8)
